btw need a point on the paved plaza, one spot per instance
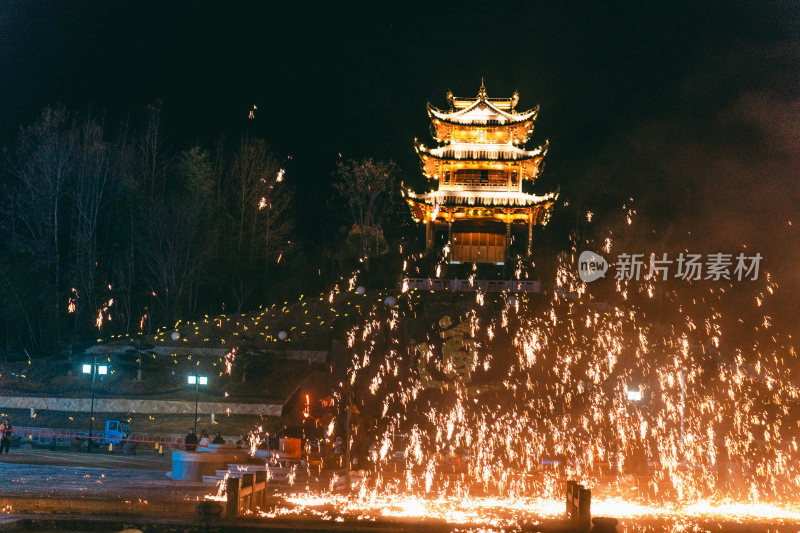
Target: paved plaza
(39, 481)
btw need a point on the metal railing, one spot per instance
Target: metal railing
(468, 185)
(246, 493)
(465, 285)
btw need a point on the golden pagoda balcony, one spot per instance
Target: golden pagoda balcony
(477, 185)
(482, 152)
(486, 198)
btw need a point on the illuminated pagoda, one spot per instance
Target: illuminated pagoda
(478, 170)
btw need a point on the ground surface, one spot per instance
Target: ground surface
(97, 459)
(79, 492)
(40, 481)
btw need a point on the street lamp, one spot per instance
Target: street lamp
(94, 369)
(196, 381)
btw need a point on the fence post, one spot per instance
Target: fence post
(570, 504)
(585, 509)
(232, 491)
(261, 477)
(247, 482)
(347, 458)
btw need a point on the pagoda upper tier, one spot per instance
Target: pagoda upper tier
(437, 161)
(498, 115)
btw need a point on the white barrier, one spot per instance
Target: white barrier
(465, 285)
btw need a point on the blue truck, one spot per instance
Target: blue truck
(115, 432)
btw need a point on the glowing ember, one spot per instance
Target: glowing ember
(504, 512)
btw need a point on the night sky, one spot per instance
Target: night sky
(689, 107)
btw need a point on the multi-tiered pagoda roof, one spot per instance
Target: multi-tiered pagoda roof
(478, 168)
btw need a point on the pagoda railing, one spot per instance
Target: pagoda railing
(465, 285)
(477, 186)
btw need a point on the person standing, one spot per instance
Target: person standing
(190, 441)
(7, 430)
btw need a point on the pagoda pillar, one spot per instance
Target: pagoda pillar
(508, 239)
(428, 234)
(530, 233)
(450, 231)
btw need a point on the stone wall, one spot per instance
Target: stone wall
(127, 405)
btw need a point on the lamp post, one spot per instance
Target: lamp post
(94, 369)
(196, 380)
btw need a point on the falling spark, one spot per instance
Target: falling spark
(513, 396)
(72, 302)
